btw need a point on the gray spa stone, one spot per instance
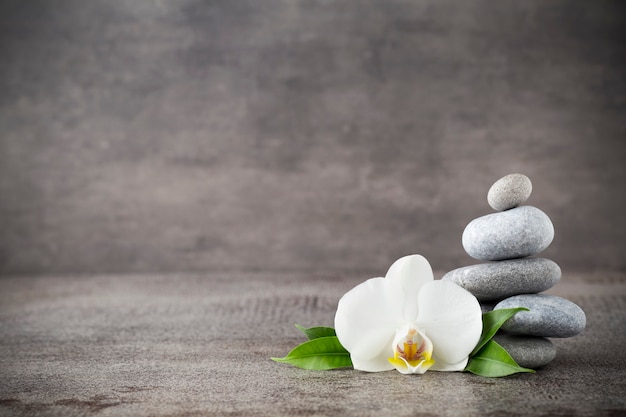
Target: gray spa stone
(486, 307)
(509, 191)
(527, 351)
(498, 280)
(515, 233)
(549, 316)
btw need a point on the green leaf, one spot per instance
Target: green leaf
(492, 321)
(316, 332)
(322, 353)
(494, 361)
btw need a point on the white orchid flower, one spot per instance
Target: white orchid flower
(408, 321)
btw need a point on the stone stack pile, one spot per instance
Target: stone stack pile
(512, 277)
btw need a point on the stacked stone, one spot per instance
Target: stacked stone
(509, 239)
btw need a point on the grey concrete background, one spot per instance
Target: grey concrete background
(284, 135)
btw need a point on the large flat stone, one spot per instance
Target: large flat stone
(549, 316)
(498, 280)
(527, 351)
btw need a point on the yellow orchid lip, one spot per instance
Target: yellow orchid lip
(412, 352)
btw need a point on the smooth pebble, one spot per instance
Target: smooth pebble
(549, 316)
(516, 233)
(509, 191)
(527, 351)
(498, 280)
(486, 307)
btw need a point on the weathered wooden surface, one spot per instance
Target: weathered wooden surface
(191, 345)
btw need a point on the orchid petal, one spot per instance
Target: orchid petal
(444, 366)
(366, 319)
(452, 319)
(377, 364)
(410, 273)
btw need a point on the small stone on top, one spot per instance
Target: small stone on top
(509, 191)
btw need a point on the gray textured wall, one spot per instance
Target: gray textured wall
(303, 135)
